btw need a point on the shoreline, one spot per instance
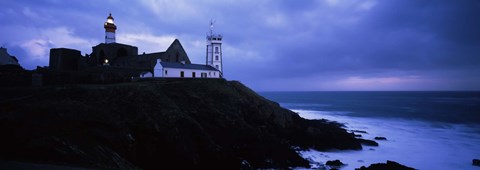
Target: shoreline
(404, 137)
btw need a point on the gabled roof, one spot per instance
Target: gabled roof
(176, 48)
(187, 66)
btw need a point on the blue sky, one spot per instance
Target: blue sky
(272, 44)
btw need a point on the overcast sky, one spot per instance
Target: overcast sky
(270, 44)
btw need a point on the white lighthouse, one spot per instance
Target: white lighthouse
(214, 50)
(110, 30)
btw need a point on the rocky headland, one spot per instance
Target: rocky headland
(211, 123)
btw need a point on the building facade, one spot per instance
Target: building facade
(123, 58)
(183, 70)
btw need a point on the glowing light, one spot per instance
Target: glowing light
(106, 61)
(110, 21)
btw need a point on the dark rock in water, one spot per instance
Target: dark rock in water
(380, 138)
(245, 165)
(368, 142)
(334, 163)
(359, 131)
(390, 165)
(202, 123)
(476, 162)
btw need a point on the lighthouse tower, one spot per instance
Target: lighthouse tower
(214, 50)
(110, 30)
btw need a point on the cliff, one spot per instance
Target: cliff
(211, 123)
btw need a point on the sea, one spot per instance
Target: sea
(424, 129)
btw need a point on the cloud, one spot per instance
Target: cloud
(327, 43)
(374, 83)
(172, 11)
(367, 5)
(146, 42)
(60, 37)
(38, 49)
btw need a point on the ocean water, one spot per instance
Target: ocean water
(424, 130)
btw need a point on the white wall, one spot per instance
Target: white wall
(160, 71)
(109, 37)
(212, 45)
(175, 72)
(218, 53)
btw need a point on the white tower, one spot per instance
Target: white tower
(110, 30)
(214, 50)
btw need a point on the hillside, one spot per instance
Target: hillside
(210, 123)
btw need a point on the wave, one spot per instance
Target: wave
(414, 143)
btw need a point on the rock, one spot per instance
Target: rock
(368, 142)
(390, 165)
(334, 163)
(359, 131)
(202, 123)
(358, 135)
(476, 162)
(380, 138)
(245, 165)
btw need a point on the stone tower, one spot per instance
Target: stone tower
(214, 50)
(110, 30)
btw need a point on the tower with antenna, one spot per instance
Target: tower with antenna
(214, 49)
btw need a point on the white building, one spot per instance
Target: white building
(212, 69)
(214, 50)
(181, 70)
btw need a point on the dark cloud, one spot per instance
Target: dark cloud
(419, 44)
(405, 35)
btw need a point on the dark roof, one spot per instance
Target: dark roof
(187, 66)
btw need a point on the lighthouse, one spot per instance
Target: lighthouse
(214, 50)
(110, 30)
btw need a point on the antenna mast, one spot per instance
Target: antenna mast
(211, 26)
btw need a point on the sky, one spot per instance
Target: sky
(273, 45)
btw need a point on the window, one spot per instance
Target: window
(209, 73)
(216, 66)
(166, 72)
(220, 39)
(181, 74)
(216, 57)
(214, 73)
(193, 74)
(216, 49)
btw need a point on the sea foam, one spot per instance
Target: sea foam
(418, 144)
